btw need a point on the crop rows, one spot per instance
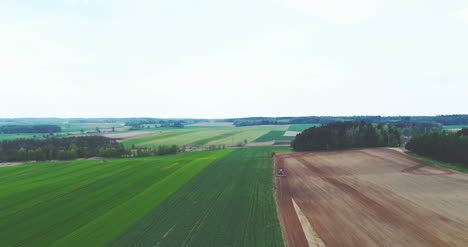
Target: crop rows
(273, 136)
(230, 203)
(88, 203)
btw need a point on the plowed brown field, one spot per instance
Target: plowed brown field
(370, 197)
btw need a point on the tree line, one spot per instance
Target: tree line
(136, 124)
(60, 148)
(342, 135)
(409, 128)
(441, 119)
(443, 146)
(75, 147)
(35, 128)
(155, 151)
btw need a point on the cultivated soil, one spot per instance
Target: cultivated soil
(370, 197)
(259, 144)
(291, 133)
(6, 164)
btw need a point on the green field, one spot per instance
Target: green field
(273, 136)
(204, 136)
(301, 127)
(88, 203)
(20, 135)
(247, 133)
(68, 129)
(230, 203)
(212, 198)
(455, 126)
(181, 137)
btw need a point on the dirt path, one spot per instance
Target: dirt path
(11, 164)
(371, 197)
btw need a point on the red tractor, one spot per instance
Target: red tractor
(281, 173)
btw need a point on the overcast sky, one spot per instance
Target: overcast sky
(215, 59)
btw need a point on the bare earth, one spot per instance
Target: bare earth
(259, 144)
(129, 135)
(370, 197)
(291, 133)
(11, 164)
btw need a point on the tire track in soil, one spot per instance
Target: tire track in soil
(386, 214)
(293, 232)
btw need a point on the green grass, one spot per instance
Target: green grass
(455, 126)
(301, 127)
(213, 138)
(181, 137)
(456, 167)
(247, 133)
(204, 136)
(88, 203)
(230, 203)
(157, 138)
(75, 127)
(21, 135)
(273, 136)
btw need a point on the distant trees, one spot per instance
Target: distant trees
(342, 135)
(442, 119)
(452, 119)
(155, 151)
(409, 128)
(60, 148)
(36, 128)
(443, 146)
(173, 124)
(137, 124)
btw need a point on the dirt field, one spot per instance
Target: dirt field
(259, 144)
(370, 197)
(291, 133)
(6, 164)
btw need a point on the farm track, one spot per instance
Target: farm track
(372, 197)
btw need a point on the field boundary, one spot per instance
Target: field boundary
(439, 164)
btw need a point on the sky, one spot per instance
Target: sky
(221, 59)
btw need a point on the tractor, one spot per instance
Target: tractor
(281, 173)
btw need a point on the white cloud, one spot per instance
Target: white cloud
(340, 11)
(463, 14)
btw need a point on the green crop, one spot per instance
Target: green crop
(88, 203)
(230, 203)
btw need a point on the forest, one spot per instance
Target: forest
(448, 147)
(136, 124)
(34, 128)
(409, 128)
(342, 135)
(441, 119)
(60, 148)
